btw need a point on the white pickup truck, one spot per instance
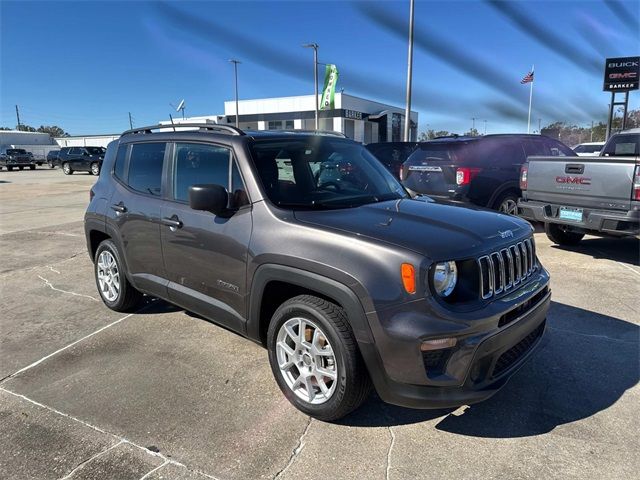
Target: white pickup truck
(575, 196)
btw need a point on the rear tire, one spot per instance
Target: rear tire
(507, 203)
(111, 279)
(560, 235)
(66, 168)
(95, 169)
(9, 169)
(32, 167)
(20, 168)
(343, 373)
(50, 163)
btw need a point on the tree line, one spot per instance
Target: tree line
(568, 133)
(53, 130)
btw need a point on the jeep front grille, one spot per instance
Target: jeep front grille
(505, 269)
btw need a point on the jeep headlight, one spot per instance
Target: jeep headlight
(445, 277)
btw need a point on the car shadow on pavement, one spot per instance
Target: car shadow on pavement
(584, 365)
(624, 250)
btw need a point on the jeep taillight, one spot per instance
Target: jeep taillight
(464, 175)
(636, 184)
(524, 173)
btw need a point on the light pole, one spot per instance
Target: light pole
(235, 70)
(315, 74)
(473, 125)
(485, 127)
(407, 111)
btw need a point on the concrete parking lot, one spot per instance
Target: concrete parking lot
(86, 392)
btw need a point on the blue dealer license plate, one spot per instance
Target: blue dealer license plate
(573, 214)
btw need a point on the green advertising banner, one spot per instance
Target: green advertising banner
(329, 89)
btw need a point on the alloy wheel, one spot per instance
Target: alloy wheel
(95, 169)
(306, 360)
(508, 206)
(66, 169)
(108, 276)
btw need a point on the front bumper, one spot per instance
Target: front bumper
(488, 350)
(604, 221)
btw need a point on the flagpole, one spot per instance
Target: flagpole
(530, 98)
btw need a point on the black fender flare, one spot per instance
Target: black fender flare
(326, 286)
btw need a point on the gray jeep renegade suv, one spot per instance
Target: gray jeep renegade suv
(303, 242)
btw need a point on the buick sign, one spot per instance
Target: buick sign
(621, 74)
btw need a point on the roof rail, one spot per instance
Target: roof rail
(329, 133)
(202, 126)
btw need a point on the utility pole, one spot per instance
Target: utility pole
(235, 69)
(539, 126)
(485, 127)
(130, 121)
(591, 131)
(473, 125)
(315, 75)
(407, 111)
(18, 116)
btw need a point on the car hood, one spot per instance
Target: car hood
(437, 231)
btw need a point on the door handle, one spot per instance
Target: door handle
(172, 222)
(119, 207)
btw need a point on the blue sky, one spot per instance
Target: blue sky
(85, 65)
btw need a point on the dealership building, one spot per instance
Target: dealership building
(362, 120)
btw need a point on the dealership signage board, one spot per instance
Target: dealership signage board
(621, 74)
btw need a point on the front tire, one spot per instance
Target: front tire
(32, 167)
(66, 168)
(315, 359)
(560, 235)
(9, 169)
(111, 279)
(50, 163)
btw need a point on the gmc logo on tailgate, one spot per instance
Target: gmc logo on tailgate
(574, 180)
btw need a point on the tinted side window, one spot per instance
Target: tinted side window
(197, 163)
(536, 147)
(508, 153)
(118, 169)
(145, 167)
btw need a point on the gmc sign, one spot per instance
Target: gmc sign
(621, 74)
(574, 180)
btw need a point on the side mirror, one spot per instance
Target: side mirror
(209, 198)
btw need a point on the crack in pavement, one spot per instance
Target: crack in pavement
(393, 442)
(296, 451)
(50, 285)
(37, 267)
(122, 440)
(146, 475)
(603, 337)
(84, 462)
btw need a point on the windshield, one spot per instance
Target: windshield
(16, 151)
(95, 150)
(322, 173)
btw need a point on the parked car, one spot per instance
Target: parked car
(588, 149)
(434, 305)
(19, 158)
(597, 195)
(81, 159)
(480, 170)
(392, 154)
(53, 158)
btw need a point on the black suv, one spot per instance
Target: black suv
(81, 159)
(392, 154)
(484, 170)
(347, 282)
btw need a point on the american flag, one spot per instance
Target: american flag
(528, 78)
